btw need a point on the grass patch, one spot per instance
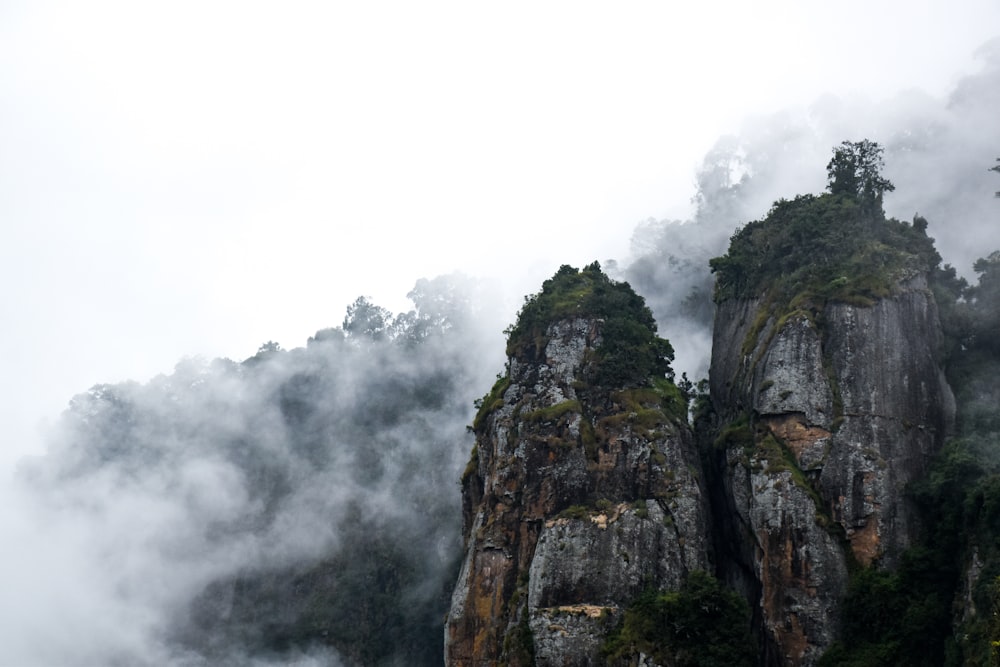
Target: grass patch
(735, 434)
(553, 413)
(647, 410)
(472, 466)
(490, 402)
(579, 512)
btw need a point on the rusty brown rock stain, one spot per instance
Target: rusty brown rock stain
(796, 434)
(777, 576)
(865, 542)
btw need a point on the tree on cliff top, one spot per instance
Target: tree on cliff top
(837, 246)
(855, 170)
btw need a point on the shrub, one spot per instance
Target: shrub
(703, 624)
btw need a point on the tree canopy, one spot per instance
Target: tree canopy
(703, 624)
(631, 352)
(836, 246)
(855, 170)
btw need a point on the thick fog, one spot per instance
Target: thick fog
(154, 499)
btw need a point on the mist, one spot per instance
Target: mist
(938, 152)
(160, 512)
(159, 507)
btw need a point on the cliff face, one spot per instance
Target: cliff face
(829, 416)
(827, 400)
(577, 498)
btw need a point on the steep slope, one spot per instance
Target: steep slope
(584, 488)
(830, 398)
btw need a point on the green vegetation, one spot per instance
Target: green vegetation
(900, 618)
(278, 612)
(553, 413)
(631, 360)
(855, 170)
(519, 642)
(472, 466)
(647, 410)
(491, 401)
(736, 434)
(378, 404)
(703, 624)
(986, 298)
(579, 512)
(905, 617)
(630, 352)
(837, 246)
(663, 394)
(814, 249)
(582, 512)
(762, 447)
(641, 509)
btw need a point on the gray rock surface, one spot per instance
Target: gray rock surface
(578, 507)
(843, 416)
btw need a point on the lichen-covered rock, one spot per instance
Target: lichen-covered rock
(834, 420)
(580, 495)
(897, 408)
(797, 564)
(571, 635)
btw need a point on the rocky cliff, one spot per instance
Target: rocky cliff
(827, 383)
(830, 418)
(827, 401)
(584, 488)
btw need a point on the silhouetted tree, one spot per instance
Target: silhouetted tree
(264, 352)
(986, 301)
(364, 318)
(855, 170)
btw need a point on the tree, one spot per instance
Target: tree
(986, 301)
(264, 352)
(442, 303)
(366, 319)
(855, 170)
(704, 624)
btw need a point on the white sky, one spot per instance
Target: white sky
(181, 178)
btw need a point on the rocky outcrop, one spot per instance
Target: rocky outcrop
(827, 417)
(577, 498)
